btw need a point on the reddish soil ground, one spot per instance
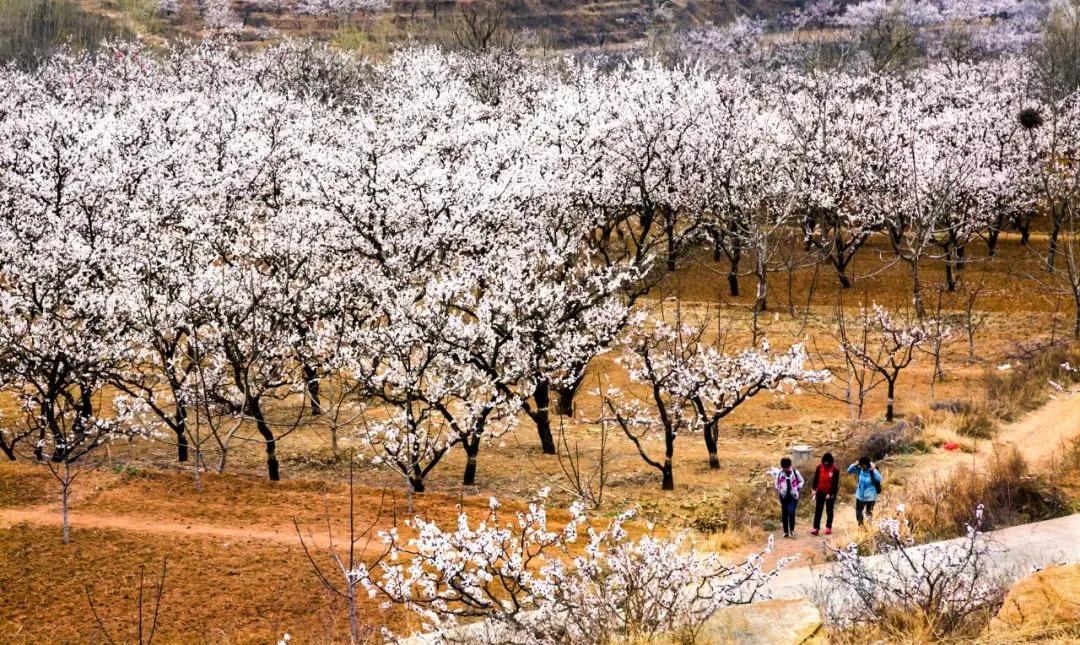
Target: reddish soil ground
(237, 573)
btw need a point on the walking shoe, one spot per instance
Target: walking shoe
(814, 532)
(828, 531)
(792, 534)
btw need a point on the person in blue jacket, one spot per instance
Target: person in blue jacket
(866, 491)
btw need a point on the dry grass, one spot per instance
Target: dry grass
(1008, 492)
(1012, 393)
(914, 628)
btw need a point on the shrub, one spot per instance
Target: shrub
(1005, 488)
(709, 518)
(912, 594)
(1014, 392)
(878, 441)
(977, 424)
(752, 505)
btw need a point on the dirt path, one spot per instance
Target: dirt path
(1019, 550)
(1039, 437)
(49, 515)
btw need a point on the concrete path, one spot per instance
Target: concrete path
(1022, 548)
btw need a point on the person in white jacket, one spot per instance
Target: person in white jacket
(788, 483)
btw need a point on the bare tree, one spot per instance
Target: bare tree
(971, 320)
(146, 623)
(938, 334)
(853, 337)
(347, 560)
(586, 483)
(481, 26)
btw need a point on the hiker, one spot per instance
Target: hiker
(866, 491)
(788, 483)
(826, 484)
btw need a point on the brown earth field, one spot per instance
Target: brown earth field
(237, 573)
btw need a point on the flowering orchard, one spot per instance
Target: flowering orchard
(193, 238)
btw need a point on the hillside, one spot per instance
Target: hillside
(33, 26)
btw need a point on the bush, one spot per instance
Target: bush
(1009, 494)
(527, 582)
(878, 441)
(923, 594)
(752, 505)
(977, 424)
(709, 518)
(1012, 393)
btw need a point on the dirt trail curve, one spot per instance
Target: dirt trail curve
(1020, 549)
(49, 515)
(1038, 437)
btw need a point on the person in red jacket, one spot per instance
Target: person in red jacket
(826, 484)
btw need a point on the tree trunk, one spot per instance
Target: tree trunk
(65, 487)
(672, 252)
(841, 259)
(354, 625)
(1076, 320)
(198, 470)
(311, 379)
(39, 451)
(472, 449)
(181, 445)
(760, 303)
(255, 412)
(889, 403)
(669, 476)
(565, 399)
(1055, 231)
(710, 445)
(916, 290)
(416, 484)
(950, 279)
(733, 276)
(542, 415)
(992, 240)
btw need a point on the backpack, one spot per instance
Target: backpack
(823, 472)
(876, 482)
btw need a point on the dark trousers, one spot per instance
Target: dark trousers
(820, 504)
(863, 508)
(788, 505)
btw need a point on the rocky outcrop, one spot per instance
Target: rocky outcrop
(770, 622)
(1046, 599)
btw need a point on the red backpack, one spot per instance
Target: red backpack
(824, 478)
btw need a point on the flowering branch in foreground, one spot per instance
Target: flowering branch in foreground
(945, 582)
(527, 582)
